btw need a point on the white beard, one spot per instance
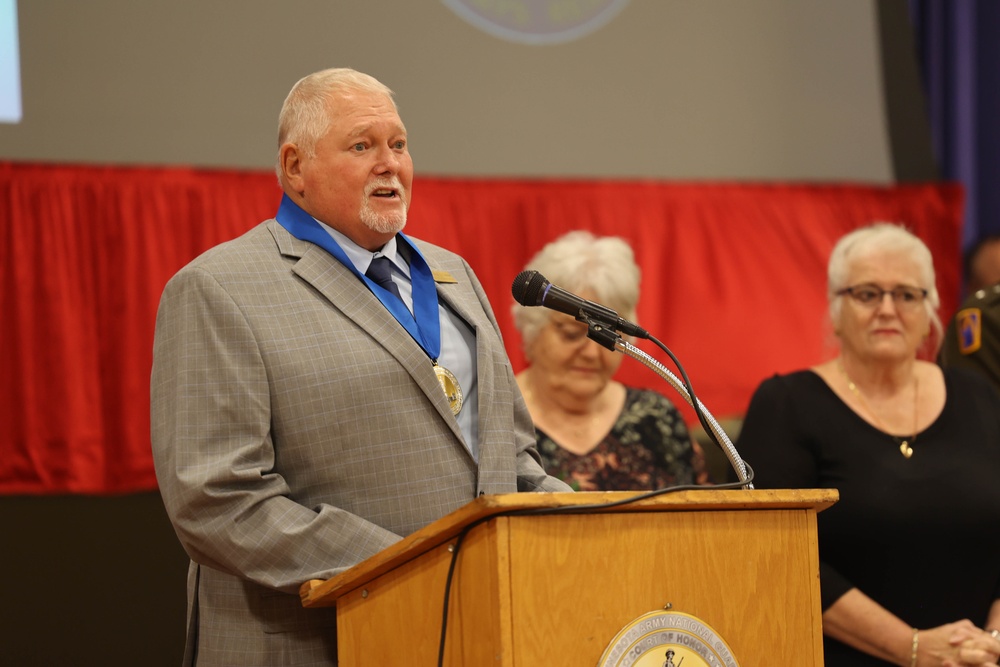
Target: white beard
(383, 223)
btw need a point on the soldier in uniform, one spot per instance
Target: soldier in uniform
(973, 336)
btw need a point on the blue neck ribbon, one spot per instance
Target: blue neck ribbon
(423, 325)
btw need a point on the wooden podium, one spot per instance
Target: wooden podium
(556, 589)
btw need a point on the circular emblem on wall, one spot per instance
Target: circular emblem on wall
(667, 639)
(537, 21)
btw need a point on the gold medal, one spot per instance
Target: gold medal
(452, 390)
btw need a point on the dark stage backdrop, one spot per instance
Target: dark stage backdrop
(733, 282)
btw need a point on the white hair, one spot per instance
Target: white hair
(884, 237)
(305, 114)
(581, 262)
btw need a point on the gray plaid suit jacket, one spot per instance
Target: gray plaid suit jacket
(297, 429)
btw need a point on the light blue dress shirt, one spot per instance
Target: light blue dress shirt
(458, 340)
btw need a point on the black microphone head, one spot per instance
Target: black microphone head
(527, 288)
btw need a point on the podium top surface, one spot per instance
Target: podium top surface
(319, 593)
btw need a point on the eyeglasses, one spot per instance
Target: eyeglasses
(872, 295)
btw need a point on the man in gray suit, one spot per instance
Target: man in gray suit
(324, 385)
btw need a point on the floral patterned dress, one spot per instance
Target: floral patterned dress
(648, 448)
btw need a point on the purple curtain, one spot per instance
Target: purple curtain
(959, 54)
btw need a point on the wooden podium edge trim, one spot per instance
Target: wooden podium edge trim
(324, 593)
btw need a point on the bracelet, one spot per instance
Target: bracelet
(994, 633)
(913, 648)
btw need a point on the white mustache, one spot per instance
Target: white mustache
(385, 183)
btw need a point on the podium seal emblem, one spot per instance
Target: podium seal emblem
(667, 639)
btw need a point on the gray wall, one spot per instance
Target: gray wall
(672, 89)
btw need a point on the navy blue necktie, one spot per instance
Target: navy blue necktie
(380, 272)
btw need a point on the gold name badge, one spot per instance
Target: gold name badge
(443, 277)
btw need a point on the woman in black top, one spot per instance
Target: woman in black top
(910, 555)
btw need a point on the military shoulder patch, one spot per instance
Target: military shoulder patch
(969, 330)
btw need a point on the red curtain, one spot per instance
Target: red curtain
(733, 283)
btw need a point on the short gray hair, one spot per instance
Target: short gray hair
(884, 237)
(305, 116)
(581, 262)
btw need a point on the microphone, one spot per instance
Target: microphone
(530, 288)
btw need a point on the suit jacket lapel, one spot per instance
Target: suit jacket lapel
(349, 295)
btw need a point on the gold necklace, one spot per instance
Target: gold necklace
(905, 447)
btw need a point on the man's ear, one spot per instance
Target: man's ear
(291, 167)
